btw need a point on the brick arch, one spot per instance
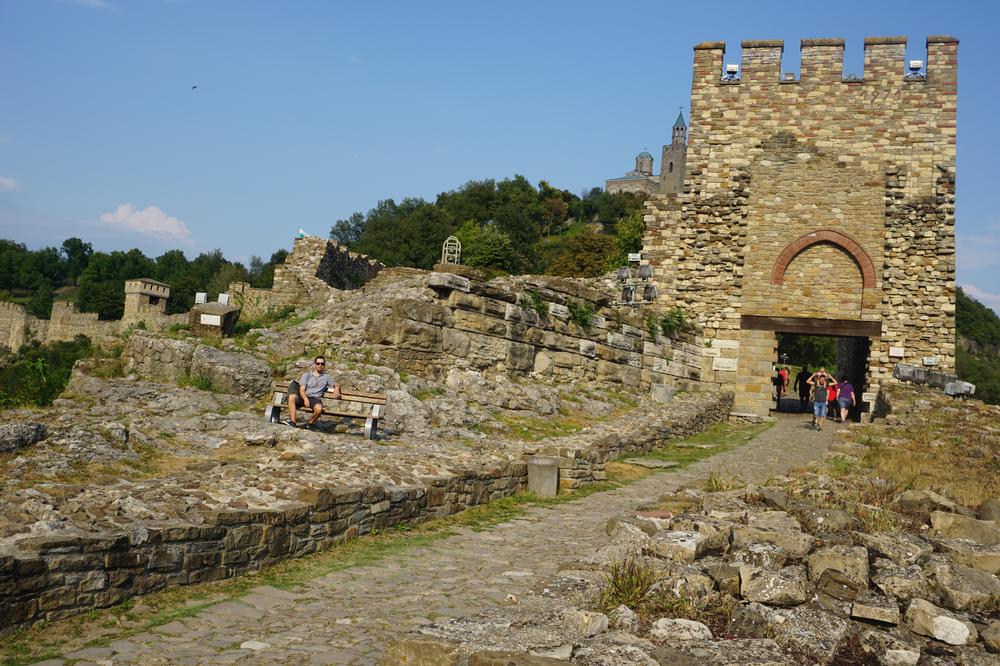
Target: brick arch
(846, 243)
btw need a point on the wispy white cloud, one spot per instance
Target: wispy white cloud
(980, 250)
(96, 4)
(986, 298)
(151, 221)
(7, 184)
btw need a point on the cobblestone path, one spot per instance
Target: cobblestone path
(345, 617)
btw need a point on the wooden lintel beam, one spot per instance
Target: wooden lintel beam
(812, 326)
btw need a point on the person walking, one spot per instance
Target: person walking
(802, 386)
(846, 399)
(820, 383)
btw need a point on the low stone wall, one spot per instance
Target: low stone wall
(584, 462)
(153, 357)
(57, 575)
(526, 326)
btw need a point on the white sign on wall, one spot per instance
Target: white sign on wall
(634, 256)
(896, 352)
(211, 320)
(930, 360)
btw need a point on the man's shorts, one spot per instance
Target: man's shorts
(845, 405)
(299, 402)
(819, 409)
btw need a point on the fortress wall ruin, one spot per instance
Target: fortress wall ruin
(817, 197)
(482, 325)
(313, 265)
(63, 574)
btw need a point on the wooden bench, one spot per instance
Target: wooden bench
(350, 405)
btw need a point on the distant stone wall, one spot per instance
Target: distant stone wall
(66, 322)
(486, 325)
(313, 266)
(58, 575)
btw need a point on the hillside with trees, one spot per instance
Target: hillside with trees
(95, 281)
(978, 348)
(506, 226)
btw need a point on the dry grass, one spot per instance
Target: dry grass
(931, 442)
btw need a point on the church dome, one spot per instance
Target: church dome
(644, 154)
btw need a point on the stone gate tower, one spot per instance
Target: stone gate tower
(820, 205)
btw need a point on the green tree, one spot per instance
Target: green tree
(77, 254)
(586, 255)
(348, 231)
(227, 274)
(811, 350)
(40, 304)
(628, 236)
(486, 246)
(102, 283)
(37, 374)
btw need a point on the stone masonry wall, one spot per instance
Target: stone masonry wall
(313, 266)
(849, 183)
(488, 325)
(59, 575)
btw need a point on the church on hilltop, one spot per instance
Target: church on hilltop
(671, 178)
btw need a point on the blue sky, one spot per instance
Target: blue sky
(305, 112)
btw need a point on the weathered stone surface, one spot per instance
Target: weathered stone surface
(14, 436)
(851, 561)
(961, 587)
(737, 652)
(881, 613)
(989, 510)
(786, 587)
(670, 629)
(507, 658)
(904, 583)
(927, 501)
(902, 548)
(421, 651)
(674, 545)
(795, 543)
(839, 586)
(954, 526)
(924, 618)
(991, 637)
(624, 618)
(585, 623)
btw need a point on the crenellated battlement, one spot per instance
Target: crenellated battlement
(822, 61)
(821, 179)
(11, 308)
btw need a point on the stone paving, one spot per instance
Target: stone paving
(347, 616)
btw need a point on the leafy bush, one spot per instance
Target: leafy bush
(39, 373)
(582, 314)
(675, 323)
(533, 301)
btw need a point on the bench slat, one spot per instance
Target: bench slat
(356, 396)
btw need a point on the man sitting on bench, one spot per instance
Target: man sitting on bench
(311, 387)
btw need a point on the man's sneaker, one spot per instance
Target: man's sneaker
(289, 422)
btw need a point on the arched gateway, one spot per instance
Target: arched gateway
(817, 205)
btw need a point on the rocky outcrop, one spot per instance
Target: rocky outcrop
(158, 358)
(14, 436)
(771, 593)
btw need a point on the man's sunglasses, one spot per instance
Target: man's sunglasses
(320, 362)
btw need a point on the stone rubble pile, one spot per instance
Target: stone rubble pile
(779, 579)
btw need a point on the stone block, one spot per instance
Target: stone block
(448, 281)
(543, 475)
(662, 393)
(455, 342)
(520, 356)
